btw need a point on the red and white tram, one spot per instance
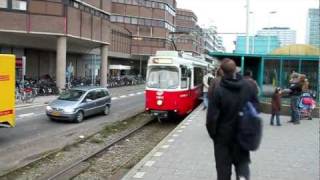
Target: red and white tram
(174, 83)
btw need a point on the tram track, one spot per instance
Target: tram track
(68, 171)
(75, 160)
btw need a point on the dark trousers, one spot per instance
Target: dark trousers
(275, 114)
(295, 117)
(225, 158)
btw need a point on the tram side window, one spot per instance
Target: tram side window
(198, 75)
(184, 77)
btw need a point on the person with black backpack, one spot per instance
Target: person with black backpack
(228, 118)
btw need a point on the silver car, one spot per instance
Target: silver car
(77, 103)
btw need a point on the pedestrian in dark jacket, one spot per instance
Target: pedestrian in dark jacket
(295, 92)
(276, 106)
(222, 117)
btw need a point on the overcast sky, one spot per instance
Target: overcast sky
(230, 15)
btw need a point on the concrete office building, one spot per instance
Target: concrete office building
(188, 35)
(212, 41)
(54, 35)
(286, 35)
(313, 27)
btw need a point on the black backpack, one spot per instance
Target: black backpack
(250, 125)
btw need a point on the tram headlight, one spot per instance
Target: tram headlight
(159, 102)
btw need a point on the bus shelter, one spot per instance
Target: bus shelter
(272, 71)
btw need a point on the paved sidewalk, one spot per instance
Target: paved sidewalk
(114, 92)
(289, 152)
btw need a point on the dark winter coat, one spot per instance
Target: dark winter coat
(276, 103)
(223, 112)
(296, 89)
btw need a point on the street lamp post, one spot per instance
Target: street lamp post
(247, 26)
(269, 35)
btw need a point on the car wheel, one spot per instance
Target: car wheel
(106, 110)
(79, 117)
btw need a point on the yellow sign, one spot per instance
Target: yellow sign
(7, 90)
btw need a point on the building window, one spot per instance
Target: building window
(19, 5)
(3, 3)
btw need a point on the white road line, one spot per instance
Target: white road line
(132, 94)
(123, 96)
(139, 175)
(165, 146)
(114, 98)
(149, 163)
(25, 115)
(139, 93)
(179, 131)
(31, 106)
(171, 140)
(158, 154)
(175, 135)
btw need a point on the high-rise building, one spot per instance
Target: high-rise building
(313, 27)
(257, 44)
(150, 23)
(188, 35)
(286, 35)
(212, 42)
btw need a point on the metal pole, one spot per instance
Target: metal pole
(247, 27)
(92, 71)
(140, 69)
(23, 70)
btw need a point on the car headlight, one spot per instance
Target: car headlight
(68, 110)
(49, 108)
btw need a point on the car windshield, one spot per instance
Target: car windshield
(163, 77)
(71, 95)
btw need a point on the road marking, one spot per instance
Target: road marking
(132, 94)
(114, 98)
(139, 175)
(182, 127)
(123, 96)
(165, 146)
(179, 131)
(25, 115)
(149, 163)
(175, 135)
(139, 93)
(31, 106)
(158, 154)
(171, 140)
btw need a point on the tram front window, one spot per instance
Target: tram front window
(163, 78)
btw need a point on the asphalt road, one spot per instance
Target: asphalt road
(35, 135)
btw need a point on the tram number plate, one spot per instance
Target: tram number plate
(55, 114)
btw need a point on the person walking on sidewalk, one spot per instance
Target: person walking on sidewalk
(276, 106)
(222, 119)
(206, 80)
